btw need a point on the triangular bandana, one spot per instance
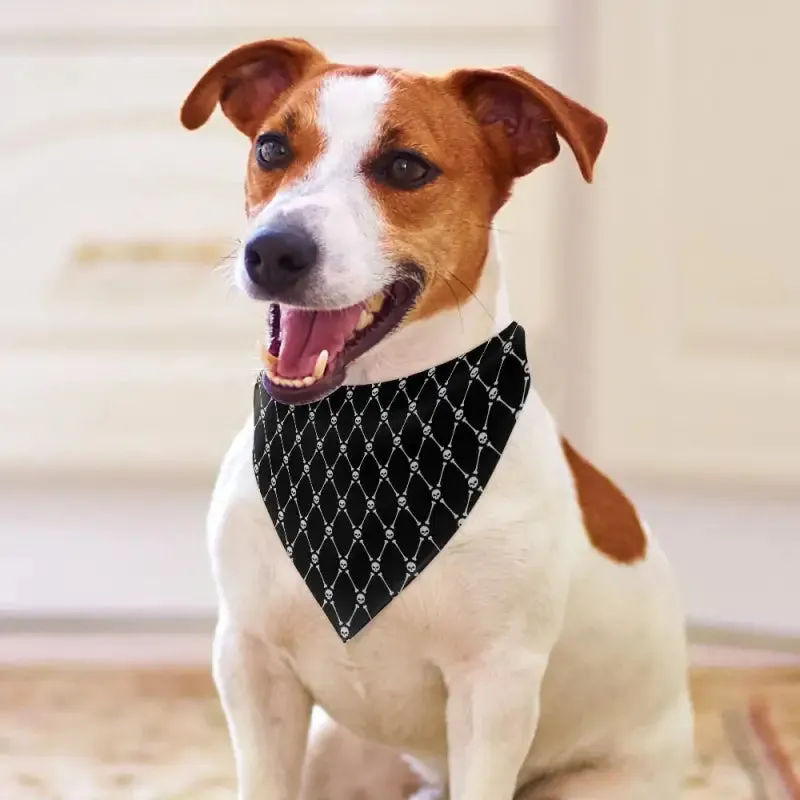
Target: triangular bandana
(367, 485)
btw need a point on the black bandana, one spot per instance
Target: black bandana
(367, 485)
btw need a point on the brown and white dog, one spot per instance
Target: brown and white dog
(542, 654)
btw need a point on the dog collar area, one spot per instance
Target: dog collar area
(367, 485)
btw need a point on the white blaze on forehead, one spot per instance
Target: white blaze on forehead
(348, 114)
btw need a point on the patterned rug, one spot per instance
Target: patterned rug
(748, 735)
(71, 734)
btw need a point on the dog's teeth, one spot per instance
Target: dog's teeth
(267, 359)
(365, 320)
(296, 383)
(319, 367)
(375, 302)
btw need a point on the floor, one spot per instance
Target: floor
(158, 734)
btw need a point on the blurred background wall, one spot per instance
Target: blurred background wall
(662, 303)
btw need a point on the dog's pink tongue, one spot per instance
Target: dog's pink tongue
(305, 334)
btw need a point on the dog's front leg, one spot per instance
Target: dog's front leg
(492, 713)
(268, 714)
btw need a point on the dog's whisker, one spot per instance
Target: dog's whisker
(491, 227)
(444, 280)
(471, 294)
(227, 274)
(226, 260)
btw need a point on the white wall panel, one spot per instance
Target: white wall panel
(697, 318)
(261, 19)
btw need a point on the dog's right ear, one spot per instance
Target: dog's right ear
(247, 81)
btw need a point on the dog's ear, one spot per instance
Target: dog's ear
(247, 81)
(522, 118)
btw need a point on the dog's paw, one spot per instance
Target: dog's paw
(429, 793)
(341, 766)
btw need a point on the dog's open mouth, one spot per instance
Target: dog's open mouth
(307, 351)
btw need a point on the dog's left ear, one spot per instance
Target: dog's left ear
(248, 81)
(522, 118)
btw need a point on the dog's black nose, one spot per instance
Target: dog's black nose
(276, 259)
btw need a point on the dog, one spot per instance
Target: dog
(543, 653)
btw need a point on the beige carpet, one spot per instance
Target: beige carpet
(70, 734)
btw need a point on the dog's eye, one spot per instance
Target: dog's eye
(273, 151)
(405, 170)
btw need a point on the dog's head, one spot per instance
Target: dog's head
(370, 192)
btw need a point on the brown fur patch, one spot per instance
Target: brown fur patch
(248, 80)
(610, 519)
(443, 226)
(523, 117)
(482, 129)
(296, 118)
